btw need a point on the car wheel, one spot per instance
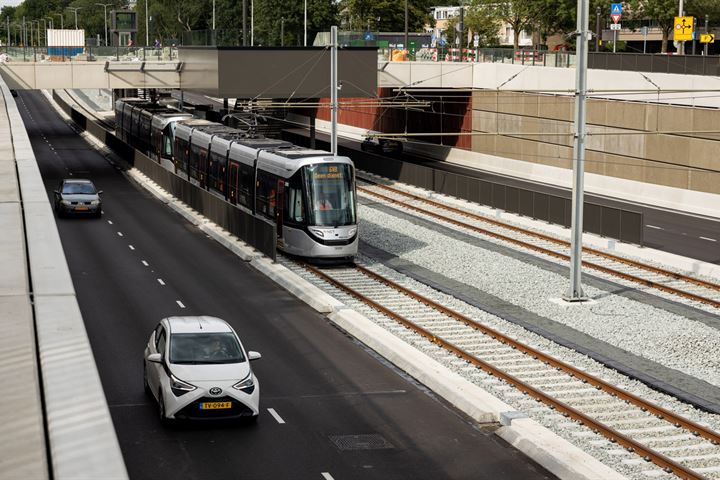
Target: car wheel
(98, 214)
(146, 386)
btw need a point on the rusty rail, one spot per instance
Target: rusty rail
(613, 435)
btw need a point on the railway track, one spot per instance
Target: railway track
(630, 270)
(672, 442)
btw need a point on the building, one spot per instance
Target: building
(442, 16)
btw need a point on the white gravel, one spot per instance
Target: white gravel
(666, 338)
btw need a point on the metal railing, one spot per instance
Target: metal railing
(88, 54)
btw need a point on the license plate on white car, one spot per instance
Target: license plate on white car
(215, 405)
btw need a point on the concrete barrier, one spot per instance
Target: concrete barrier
(81, 441)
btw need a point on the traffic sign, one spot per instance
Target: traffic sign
(616, 9)
(707, 38)
(615, 26)
(616, 18)
(683, 29)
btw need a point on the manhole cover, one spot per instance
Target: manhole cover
(360, 442)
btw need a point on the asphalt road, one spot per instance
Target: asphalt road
(142, 262)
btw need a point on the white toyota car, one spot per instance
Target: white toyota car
(197, 368)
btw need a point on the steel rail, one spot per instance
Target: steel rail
(613, 435)
(562, 256)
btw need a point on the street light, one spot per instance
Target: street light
(62, 21)
(147, 25)
(75, 9)
(105, 5)
(44, 29)
(305, 34)
(282, 31)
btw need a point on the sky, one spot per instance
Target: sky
(9, 2)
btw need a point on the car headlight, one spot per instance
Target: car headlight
(317, 232)
(246, 385)
(179, 387)
(95, 202)
(65, 202)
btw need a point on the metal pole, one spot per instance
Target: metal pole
(252, 23)
(147, 25)
(681, 45)
(105, 16)
(694, 32)
(575, 292)
(244, 22)
(644, 39)
(707, 30)
(214, 16)
(597, 30)
(282, 31)
(614, 40)
(333, 89)
(7, 22)
(407, 45)
(305, 33)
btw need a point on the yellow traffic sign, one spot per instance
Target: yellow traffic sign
(707, 38)
(683, 28)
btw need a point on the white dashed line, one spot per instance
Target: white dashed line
(275, 415)
(180, 303)
(120, 234)
(653, 226)
(160, 281)
(708, 239)
(131, 247)
(327, 476)
(110, 222)
(145, 263)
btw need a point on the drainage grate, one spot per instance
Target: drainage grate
(360, 442)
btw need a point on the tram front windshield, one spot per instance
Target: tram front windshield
(330, 194)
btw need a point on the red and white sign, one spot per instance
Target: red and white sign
(616, 17)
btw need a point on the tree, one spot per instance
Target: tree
(478, 19)
(662, 11)
(385, 15)
(269, 15)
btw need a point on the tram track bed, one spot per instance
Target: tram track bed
(625, 418)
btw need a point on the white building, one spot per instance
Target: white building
(505, 34)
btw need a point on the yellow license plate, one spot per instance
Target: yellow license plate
(215, 405)
(82, 209)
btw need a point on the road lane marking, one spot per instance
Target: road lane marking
(275, 415)
(327, 476)
(709, 239)
(120, 234)
(110, 222)
(653, 226)
(180, 303)
(145, 263)
(131, 247)
(160, 281)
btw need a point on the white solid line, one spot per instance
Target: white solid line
(145, 263)
(275, 415)
(120, 234)
(110, 222)
(327, 476)
(160, 281)
(131, 247)
(180, 303)
(653, 226)
(709, 239)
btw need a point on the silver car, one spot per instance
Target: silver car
(77, 196)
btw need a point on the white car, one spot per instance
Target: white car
(197, 368)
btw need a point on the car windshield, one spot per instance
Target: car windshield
(331, 192)
(202, 348)
(78, 188)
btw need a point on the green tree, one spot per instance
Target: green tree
(385, 15)
(663, 12)
(478, 19)
(269, 15)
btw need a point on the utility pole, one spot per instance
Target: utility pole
(147, 25)
(407, 45)
(75, 9)
(252, 23)
(681, 45)
(333, 89)
(305, 33)
(213, 15)
(105, 5)
(244, 22)
(282, 31)
(575, 292)
(707, 30)
(597, 29)
(7, 23)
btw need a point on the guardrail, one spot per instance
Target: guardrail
(88, 54)
(256, 231)
(659, 63)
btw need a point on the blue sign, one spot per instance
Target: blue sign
(369, 36)
(615, 8)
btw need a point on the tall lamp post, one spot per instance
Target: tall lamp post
(44, 30)
(147, 25)
(105, 5)
(75, 10)
(597, 29)
(282, 31)
(62, 21)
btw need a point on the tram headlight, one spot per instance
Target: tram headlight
(352, 232)
(317, 232)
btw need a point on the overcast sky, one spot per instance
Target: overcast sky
(9, 2)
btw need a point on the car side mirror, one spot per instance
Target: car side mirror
(253, 355)
(154, 358)
(100, 192)
(56, 192)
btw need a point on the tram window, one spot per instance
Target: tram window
(294, 201)
(216, 172)
(245, 186)
(265, 196)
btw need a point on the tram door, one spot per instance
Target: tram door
(279, 206)
(233, 183)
